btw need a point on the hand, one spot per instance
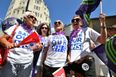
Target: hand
(10, 45)
(102, 19)
(39, 45)
(36, 47)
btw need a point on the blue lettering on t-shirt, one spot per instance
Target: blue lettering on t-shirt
(19, 36)
(76, 44)
(59, 44)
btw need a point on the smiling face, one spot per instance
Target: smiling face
(58, 26)
(76, 22)
(44, 30)
(29, 19)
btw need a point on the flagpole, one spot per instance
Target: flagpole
(101, 7)
(101, 11)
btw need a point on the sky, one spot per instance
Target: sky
(65, 9)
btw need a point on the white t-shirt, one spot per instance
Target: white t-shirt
(44, 40)
(57, 52)
(22, 54)
(80, 45)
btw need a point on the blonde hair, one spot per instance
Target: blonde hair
(60, 23)
(27, 13)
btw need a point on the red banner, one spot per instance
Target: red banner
(59, 73)
(32, 38)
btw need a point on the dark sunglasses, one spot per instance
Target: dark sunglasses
(77, 20)
(57, 22)
(44, 28)
(29, 16)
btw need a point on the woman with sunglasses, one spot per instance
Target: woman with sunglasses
(81, 40)
(19, 60)
(43, 31)
(57, 50)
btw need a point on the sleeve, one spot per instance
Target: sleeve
(94, 34)
(10, 30)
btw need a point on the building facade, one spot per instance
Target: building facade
(18, 7)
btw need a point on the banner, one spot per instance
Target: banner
(10, 22)
(32, 38)
(59, 73)
(107, 53)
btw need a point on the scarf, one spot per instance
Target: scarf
(73, 34)
(58, 33)
(25, 26)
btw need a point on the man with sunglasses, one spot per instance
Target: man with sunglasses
(80, 43)
(19, 60)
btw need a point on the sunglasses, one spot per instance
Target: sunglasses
(75, 20)
(57, 22)
(44, 28)
(30, 16)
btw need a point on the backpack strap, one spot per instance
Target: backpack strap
(13, 33)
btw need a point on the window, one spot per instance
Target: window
(23, 11)
(38, 1)
(36, 7)
(17, 11)
(36, 13)
(14, 11)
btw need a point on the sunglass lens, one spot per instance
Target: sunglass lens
(44, 28)
(75, 20)
(32, 17)
(56, 23)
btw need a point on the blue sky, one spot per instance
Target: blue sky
(65, 9)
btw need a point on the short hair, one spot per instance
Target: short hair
(27, 13)
(60, 23)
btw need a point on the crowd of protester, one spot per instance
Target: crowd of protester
(42, 59)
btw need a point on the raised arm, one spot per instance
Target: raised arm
(103, 37)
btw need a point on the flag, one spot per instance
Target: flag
(32, 38)
(10, 21)
(59, 73)
(107, 53)
(85, 9)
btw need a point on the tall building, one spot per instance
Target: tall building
(18, 7)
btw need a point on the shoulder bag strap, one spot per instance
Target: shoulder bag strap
(13, 33)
